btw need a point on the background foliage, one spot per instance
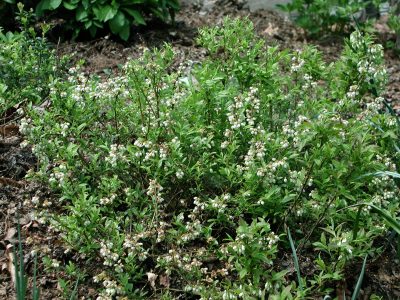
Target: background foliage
(118, 17)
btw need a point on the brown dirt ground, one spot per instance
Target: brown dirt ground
(382, 274)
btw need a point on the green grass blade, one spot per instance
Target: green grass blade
(21, 274)
(386, 173)
(19, 268)
(75, 291)
(296, 261)
(357, 222)
(36, 292)
(392, 222)
(359, 281)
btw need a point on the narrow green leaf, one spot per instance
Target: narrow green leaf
(36, 291)
(75, 291)
(386, 173)
(295, 259)
(392, 222)
(359, 281)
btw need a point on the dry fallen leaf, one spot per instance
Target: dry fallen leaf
(10, 234)
(8, 181)
(151, 278)
(164, 280)
(10, 265)
(270, 30)
(9, 130)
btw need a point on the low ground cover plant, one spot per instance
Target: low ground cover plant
(186, 181)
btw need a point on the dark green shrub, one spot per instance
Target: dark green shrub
(327, 15)
(9, 10)
(119, 16)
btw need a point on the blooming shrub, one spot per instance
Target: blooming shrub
(183, 181)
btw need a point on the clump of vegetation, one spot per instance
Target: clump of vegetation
(328, 16)
(394, 23)
(185, 181)
(27, 64)
(118, 17)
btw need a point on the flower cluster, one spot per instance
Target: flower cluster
(186, 262)
(111, 258)
(134, 247)
(297, 63)
(154, 191)
(112, 288)
(116, 154)
(369, 65)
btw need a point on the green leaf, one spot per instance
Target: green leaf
(86, 4)
(242, 273)
(47, 5)
(81, 13)
(42, 6)
(105, 13)
(70, 6)
(359, 281)
(390, 220)
(173, 4)
(118, 22)
(88, 24)
(125, 32)
(54, 4)
(295, 259)
(386, 173)
(136, 16)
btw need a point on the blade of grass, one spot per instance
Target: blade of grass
(391, 221)
(20, 278)
(386, 173)
(356, 225)
(359, 281)
(295, 259)
(75, 291)
(36, 292)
